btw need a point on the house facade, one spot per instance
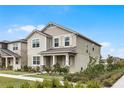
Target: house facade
(53, 44)
(13, 55)
(57, 44)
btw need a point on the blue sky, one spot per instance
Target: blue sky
(104, 24)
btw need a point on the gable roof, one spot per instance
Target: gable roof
(69, 30)
(39, 32)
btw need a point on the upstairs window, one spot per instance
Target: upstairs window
(15, 46)
(67, 41)
(35, 43)
(56, 42)
(36, 60)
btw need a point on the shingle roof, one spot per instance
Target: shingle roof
(9, 52)
(60, 50)
(70, 30)
(20, 40)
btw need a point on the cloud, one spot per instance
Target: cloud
(25, 28)
(108, 49)
(106, 44)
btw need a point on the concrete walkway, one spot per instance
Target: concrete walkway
(119, 83)
(22, 77)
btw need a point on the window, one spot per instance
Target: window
(17, 61)
(93, 49)
(36, 60)
(87, 49)
(67, 40)
(15, 46)
(35, 43)
(56, 42)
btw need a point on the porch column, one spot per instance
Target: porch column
(53, 60)
(42, 60)
(14, 62)
(67, 60)
(6, 61)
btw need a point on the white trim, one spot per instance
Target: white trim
(58, 42)
(32, 60)
(69, 41)
(32, 43)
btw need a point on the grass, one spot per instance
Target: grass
(5, 82)
(12, 72)
(46, 76)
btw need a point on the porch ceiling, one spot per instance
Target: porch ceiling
(60, 50)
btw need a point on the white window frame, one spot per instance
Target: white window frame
(65, 41)
(36, 60)
(35, 42)
(58, 42)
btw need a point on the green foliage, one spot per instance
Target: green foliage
(25, 85)
(67, 84)
(46, 84)
(110, 60)
(10, 86)
(79, 85)
(47, 69)
(25, 68)
(94, 71)
(37, 84)
(37, 68)
(56, 83)
(94, 84)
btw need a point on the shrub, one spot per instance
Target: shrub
(56, 83)
(79, 85)
(25, 85)
(29, 69)
(65, 70)
(47, 69)
(46, 84)
(93, 84)
(94, 71)
(37, 85)
(10, 86)
(37, 68)
(25, 68)
(67, 84)
(108, 82)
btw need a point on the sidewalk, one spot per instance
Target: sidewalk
(22, 77)
(119, 83)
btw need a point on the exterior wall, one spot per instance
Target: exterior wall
(24, 59)
(82, 57)
(22, 51)
(61, 34)
(10, 47)
(35, 51)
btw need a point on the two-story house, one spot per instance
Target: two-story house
(13, 54)
(57, 44)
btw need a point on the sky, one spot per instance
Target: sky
(103, 24)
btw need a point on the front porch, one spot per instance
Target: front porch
(61, 59)
(9, 60)
(10, 63)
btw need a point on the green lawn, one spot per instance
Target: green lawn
(6, 82)
(46, 76)
(12, 72)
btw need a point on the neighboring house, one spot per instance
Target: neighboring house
(57, 44)
(13, 54)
